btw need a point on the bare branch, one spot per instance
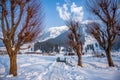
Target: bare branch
(29, 21)
(74, 39)
(107, 11)
(25, 16)
(3, 16)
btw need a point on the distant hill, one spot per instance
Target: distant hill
(54, 44)
(56, 37)
(52, 32)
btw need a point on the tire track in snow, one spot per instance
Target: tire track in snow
(56, 71)
(46, 71)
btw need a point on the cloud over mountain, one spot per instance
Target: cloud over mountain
(67, 10)
(63, 12)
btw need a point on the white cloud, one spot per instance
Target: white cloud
(70, 11)
(77, 12)
(65, 7)
(63, 12)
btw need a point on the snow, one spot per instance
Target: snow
(55, 31)
(52, 32)
(2, 49)
(29, 47)
(39, 51)
(38, 67)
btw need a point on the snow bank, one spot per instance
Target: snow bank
(37, 67)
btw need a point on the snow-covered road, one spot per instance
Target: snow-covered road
(36, 67)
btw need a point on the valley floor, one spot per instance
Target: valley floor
(37, 67)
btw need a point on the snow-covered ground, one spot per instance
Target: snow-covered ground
(38, 67)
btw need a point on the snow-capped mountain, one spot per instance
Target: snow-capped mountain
(52, 32)
(57, 37)
(54, 38)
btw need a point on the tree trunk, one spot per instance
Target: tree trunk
(109, 58)
(13, 65)
(79, 58)
(80, 61)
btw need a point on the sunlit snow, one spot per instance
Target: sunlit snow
(38, 67)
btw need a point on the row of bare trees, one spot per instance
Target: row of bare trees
(21, 22)
(106, 11)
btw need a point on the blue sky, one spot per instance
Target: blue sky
(52, 14)
(52, 17)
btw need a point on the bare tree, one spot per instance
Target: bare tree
(105, 33)
(75, 39)
(21, 22)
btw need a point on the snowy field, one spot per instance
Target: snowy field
(37, 67)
